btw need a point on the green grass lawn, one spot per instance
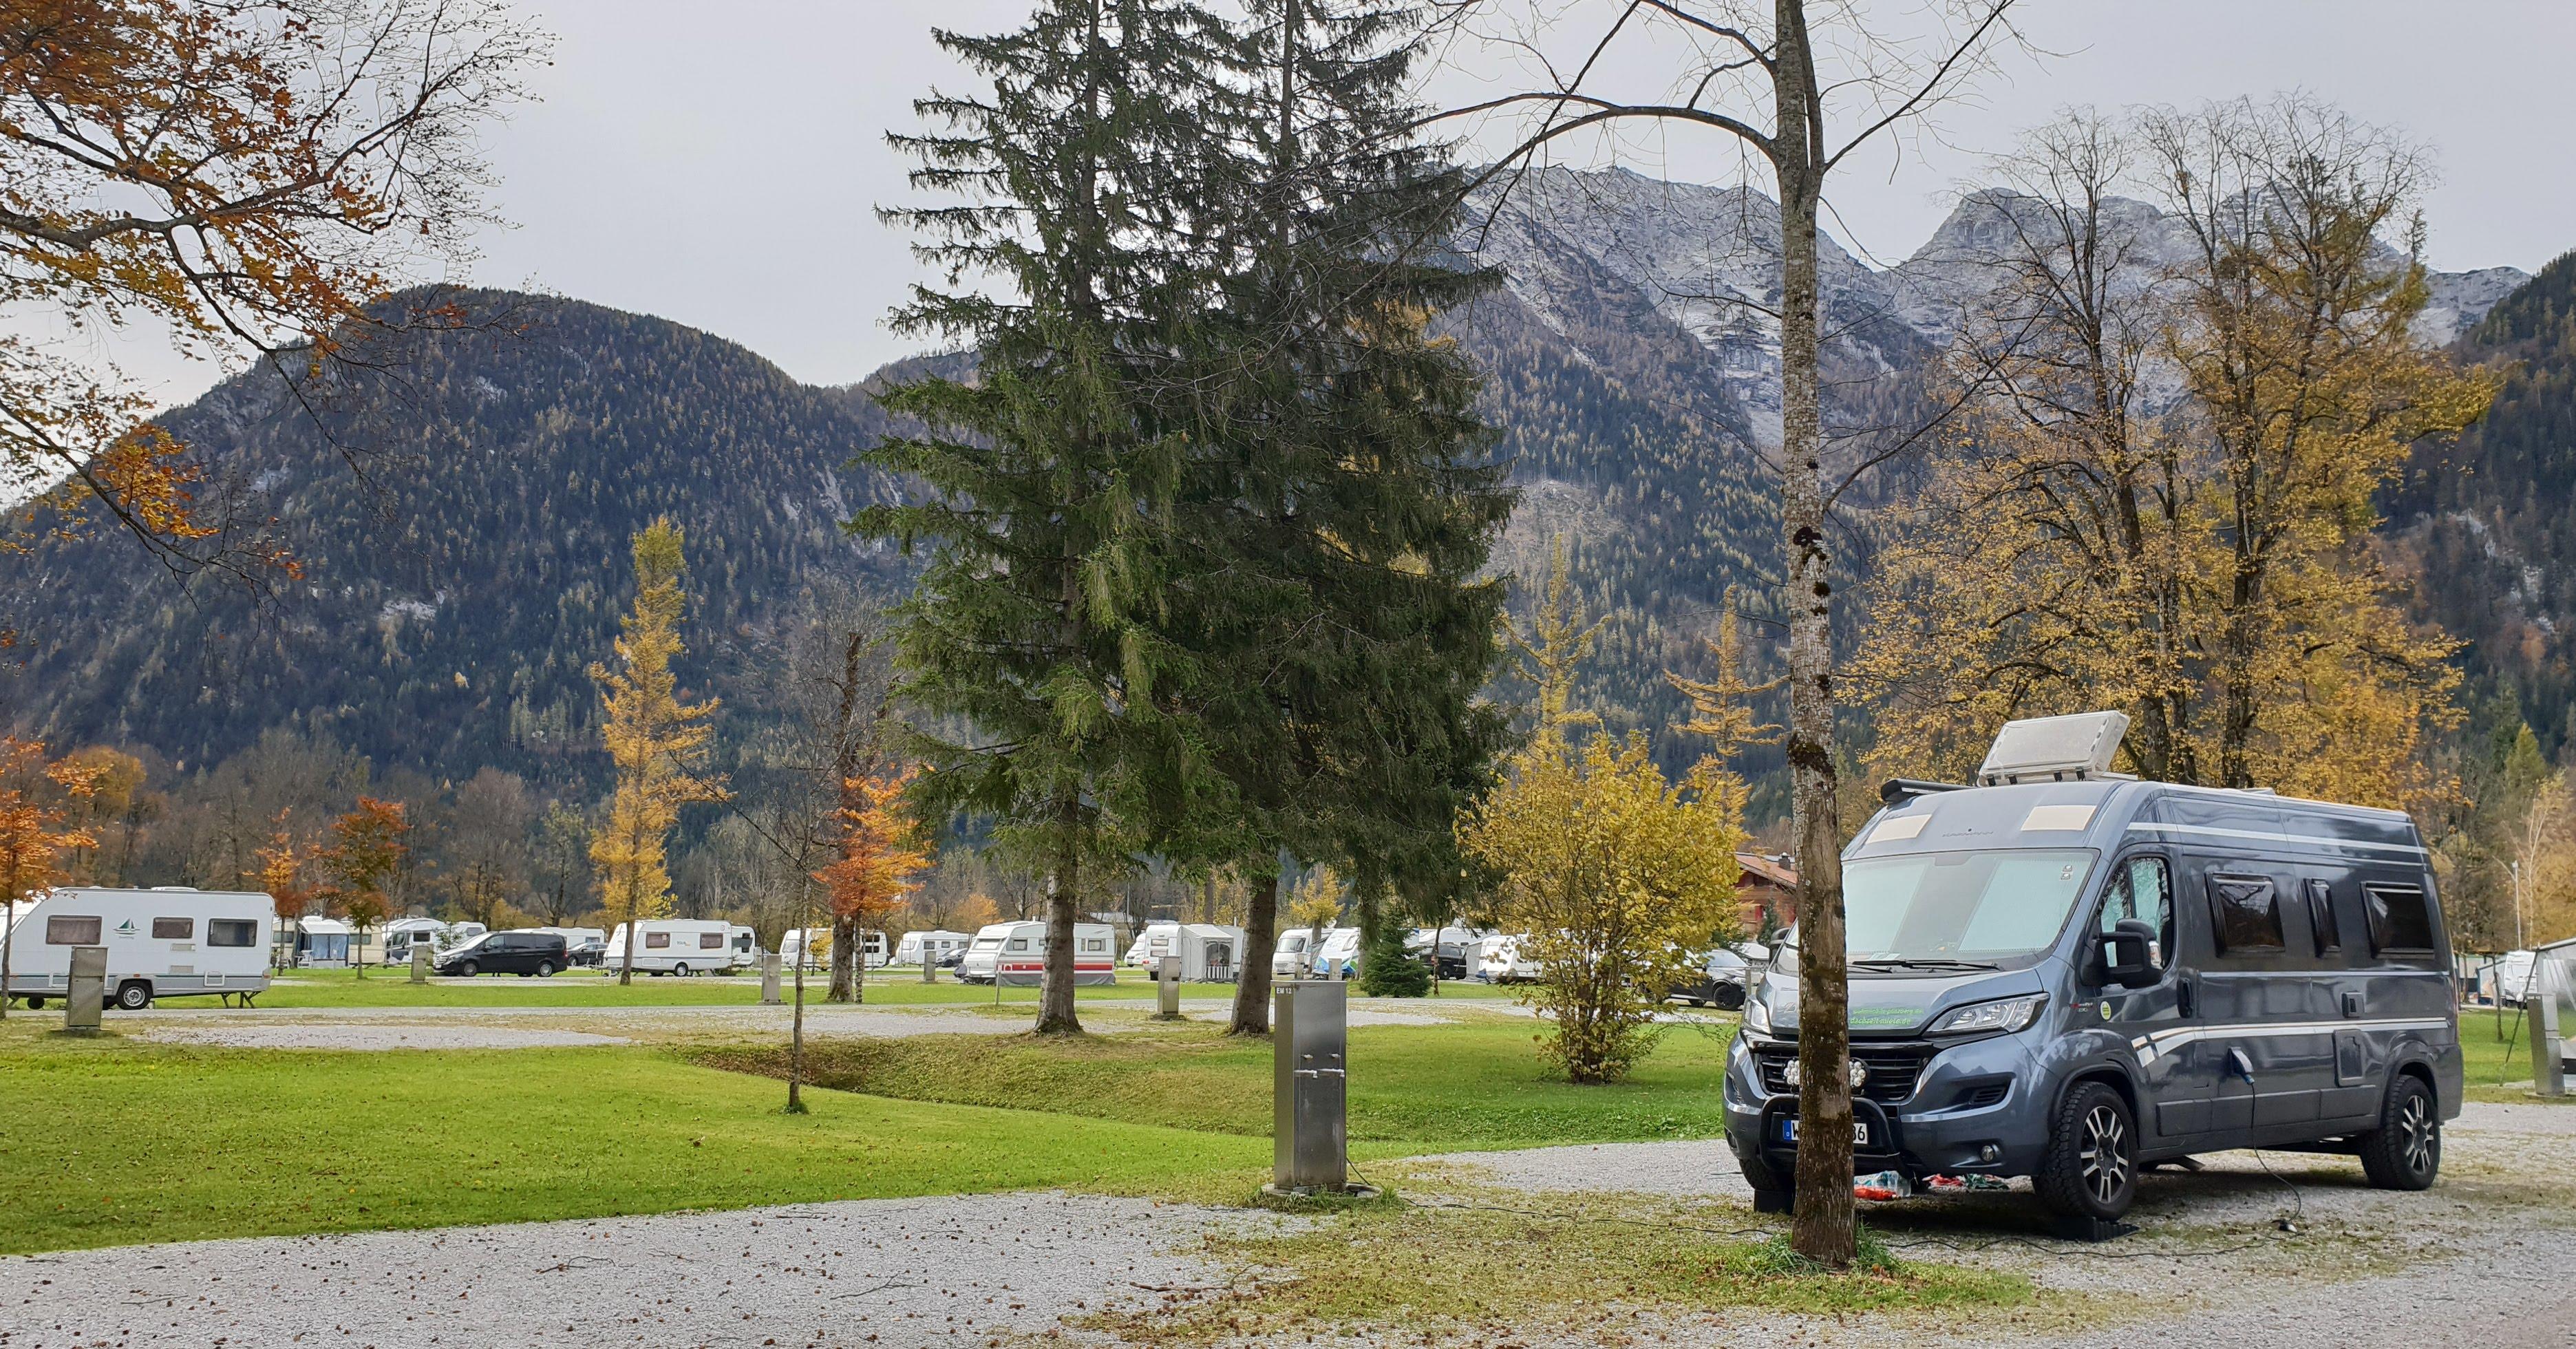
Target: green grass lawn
(109, 1143)
(582, 988)
(1477, 1084)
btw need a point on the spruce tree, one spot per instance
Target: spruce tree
(1340, 499)
(1073, 272)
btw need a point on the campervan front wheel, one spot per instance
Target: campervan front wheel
(134, 995)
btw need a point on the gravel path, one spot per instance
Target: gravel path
(374, 1036)
(909, 1272)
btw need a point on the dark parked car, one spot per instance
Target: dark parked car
(1721, 980)
(588, 953)
(520, 953)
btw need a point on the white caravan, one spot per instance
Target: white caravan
(169, 942)
(936, 945)
(322, 943)
(1015, 954)
(402, 934)
(683, 946)
(1338, 955)
(1502, 963)
(808, 946)
(1155, 942)
(1211, 953)
(1293, 957)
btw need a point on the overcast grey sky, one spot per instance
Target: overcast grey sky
(717, 161)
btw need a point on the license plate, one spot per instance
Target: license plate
(1860, 1132)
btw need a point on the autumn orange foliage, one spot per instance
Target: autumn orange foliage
(368, 846)
(35, 799)
(881, 850)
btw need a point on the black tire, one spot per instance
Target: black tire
(1730, 997)
(545, 969)
(469, 969)
(134, 995)
(2405, 1151)
(680, 971)
(2091, 1167)
(35, 1004)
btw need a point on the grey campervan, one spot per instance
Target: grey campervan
(2065, 974)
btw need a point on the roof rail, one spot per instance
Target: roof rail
(1906, 789)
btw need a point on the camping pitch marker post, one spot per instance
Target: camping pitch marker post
(88, 992)
(1167, 988)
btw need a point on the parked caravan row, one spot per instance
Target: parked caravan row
(2069, 975)
(812, 947)
(683, 946)
(939, 947)
(161, 943)
(1014, 954)
(1209, 952)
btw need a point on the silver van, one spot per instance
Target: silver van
(2065, 974)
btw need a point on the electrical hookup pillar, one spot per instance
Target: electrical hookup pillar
(420, 962)
(769, 980)
(88, 991)
(2546, 989)
(1310, 1133)
(1167, 988)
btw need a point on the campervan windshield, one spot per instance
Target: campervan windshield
(1951, 910)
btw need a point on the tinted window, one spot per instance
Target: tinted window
(2400, 919)
(65, 930)
(174, 929)
(232, 931)
(710, 941)
(2246, 912)
(2321, 917)
(2141, 889)
(654, 941)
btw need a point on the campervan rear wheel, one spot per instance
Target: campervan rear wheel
(2405, 1151)
(134, 995)
(2090, 1169)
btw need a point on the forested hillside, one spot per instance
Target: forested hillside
(2494, 518)
(460, 518)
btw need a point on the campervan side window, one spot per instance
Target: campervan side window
(655, 941)
(710, 941)
(232, 931)
(2247, 913)
(1019, 943)
(2400, 919)
(68, 930)
(2141, 890)
(1099, 944)
(2321, 917)
(173, 929)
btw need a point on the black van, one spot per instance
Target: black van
(2068, 975)
(520, 953)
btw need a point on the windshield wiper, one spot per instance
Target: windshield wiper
(1894, 963)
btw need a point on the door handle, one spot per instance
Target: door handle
(2183, 1001)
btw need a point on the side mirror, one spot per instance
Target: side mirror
(2128, 954)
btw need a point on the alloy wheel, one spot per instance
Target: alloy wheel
(2418, 1135)
(2105, 1154)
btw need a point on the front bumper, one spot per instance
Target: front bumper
(1973, 1107)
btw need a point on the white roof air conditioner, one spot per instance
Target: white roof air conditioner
(2054, 749)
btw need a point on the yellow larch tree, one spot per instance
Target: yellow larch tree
(881, 853)
(36, 803)
(656, 743)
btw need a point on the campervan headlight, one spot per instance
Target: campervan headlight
(2004, 1014)
(1757, 1014)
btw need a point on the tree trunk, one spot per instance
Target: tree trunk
(796, 1026)
(1822, 1229)
(845, 938)
(1252, 985)
(1056, 1014)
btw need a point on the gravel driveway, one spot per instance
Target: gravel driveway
(891, 1272)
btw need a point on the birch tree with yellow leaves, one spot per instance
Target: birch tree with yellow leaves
(657, 743)
(2159, 495)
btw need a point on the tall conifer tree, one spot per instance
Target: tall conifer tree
(1339, 501)
(1074, 267)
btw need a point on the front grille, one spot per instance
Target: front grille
(1893, 1069)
